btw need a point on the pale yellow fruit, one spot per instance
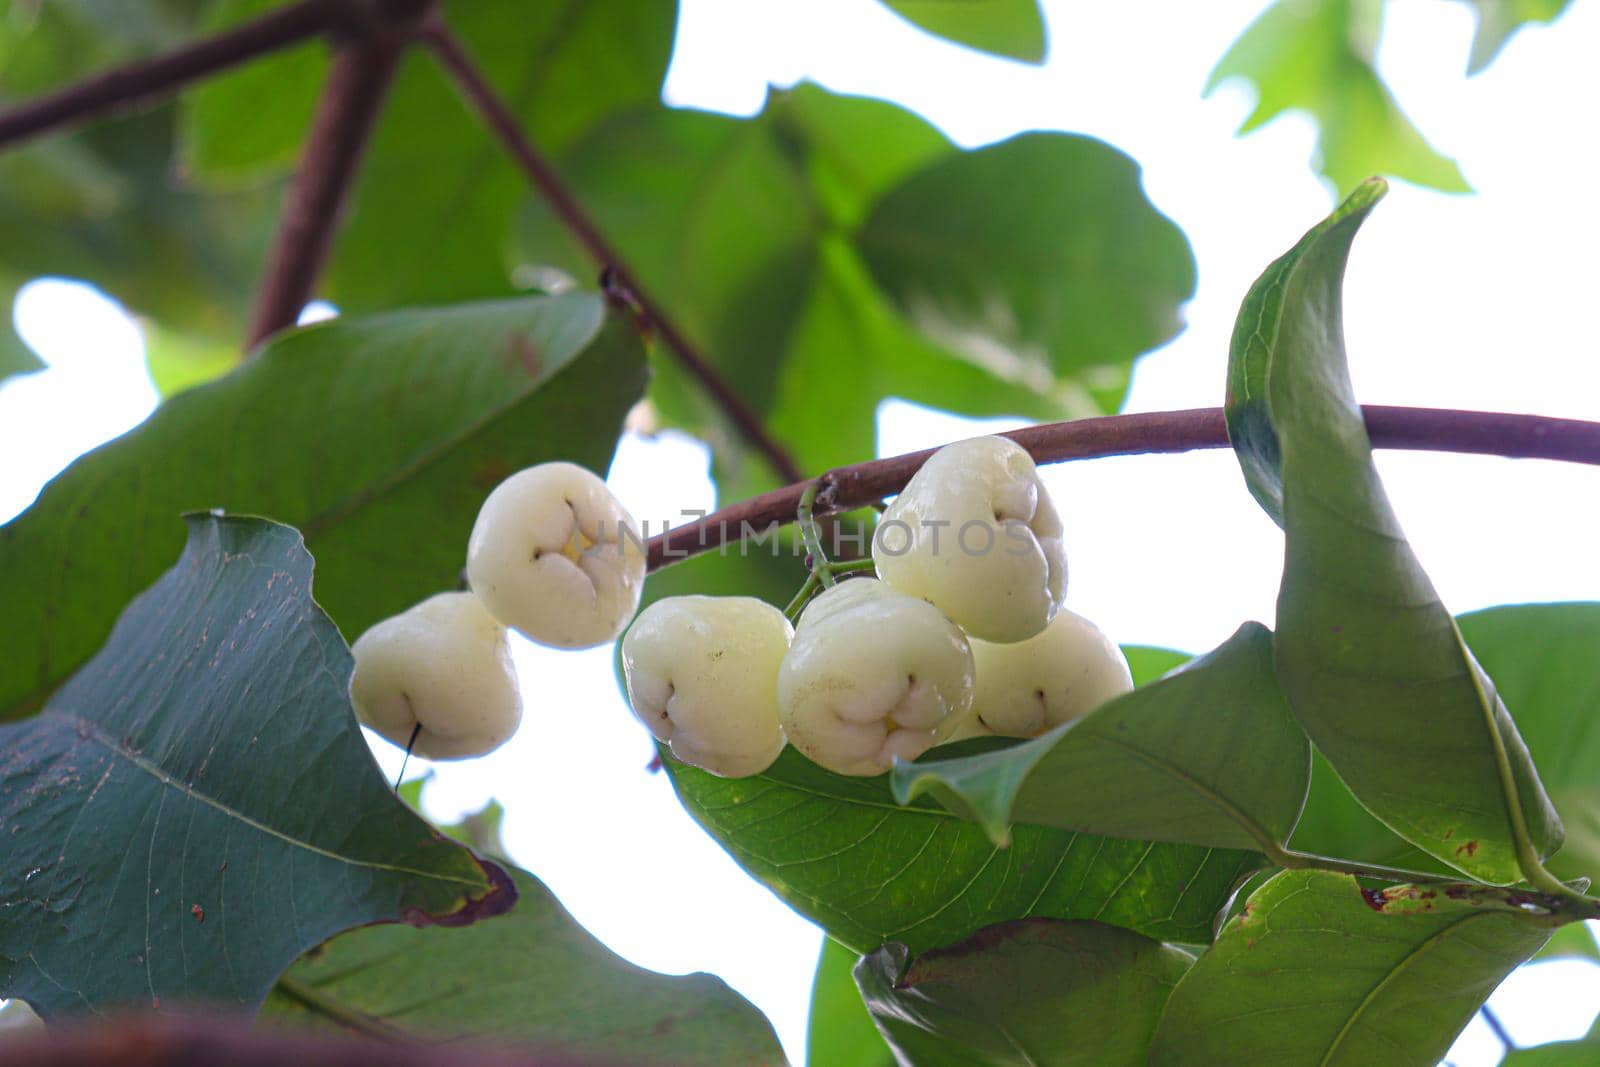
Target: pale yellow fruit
(702, 674)
(443, 663)
(1056, 676)
(872, 675)
(556, 557)
(974, 532)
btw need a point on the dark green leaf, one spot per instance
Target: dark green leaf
(535, 978)
(1372, 663)
(1064, 275)
(845, 855)
(1498, 20)
(378, 437)
(1034, 993)
(197, 807)
(1206, 756)
(1316, 970)
(1316, 56)
(841, 1033)
(1012, 28)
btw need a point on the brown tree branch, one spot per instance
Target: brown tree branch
(1421, 429)
(150, 79)
(505, 126)
(170, 1041)
(363, 69)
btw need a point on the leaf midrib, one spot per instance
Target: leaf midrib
(93, 731)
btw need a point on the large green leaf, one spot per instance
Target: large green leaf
(197, 807)
(1316, 56)
(1012, 28)
(765, 235)
(1066, 271)
(534, 978)
(1034, 993)
(840, 1032)
(1541, 657)
(1207, 756)
(1318, 970)
(1372, 663)
(844, 854)
(1499, 20)
(378, 437)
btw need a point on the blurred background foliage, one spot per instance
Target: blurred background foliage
(796, 247)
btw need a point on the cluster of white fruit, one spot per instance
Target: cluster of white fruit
(960, 635)
(552, 555)
(957, 637)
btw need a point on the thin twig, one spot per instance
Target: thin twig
(505, 126)
(363, 69)
(1421, 429)
(145, 80)
(1498, 1027)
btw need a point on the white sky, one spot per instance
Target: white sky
(1476, 301)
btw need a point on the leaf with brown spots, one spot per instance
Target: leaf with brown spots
(208, 754)
(1317, 970)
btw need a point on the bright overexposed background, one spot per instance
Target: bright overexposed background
(1478, 301)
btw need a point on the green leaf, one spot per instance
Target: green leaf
(1147, 663)
(841, 1032)
(1584, 1052)
(845, 855)
(247, 124)
(378, 437)
(103, 205)
(781, 245)
(1316, 56)
(1316, 970)
(1499, 20)
(1575, 941)
(1372, 663)
(197, 807)
(1065, 273)
(1012, 28)
(15, 356)
(1024, 994)
(1206, 756)
(532, 978)
(1542, 659)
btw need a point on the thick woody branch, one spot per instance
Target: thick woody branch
(1420, 429)
(503, 123)
(363, 69)
(151, 79)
